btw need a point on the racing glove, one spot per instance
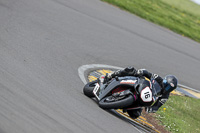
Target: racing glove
(110, 75)
(139, 72)
(113, 74)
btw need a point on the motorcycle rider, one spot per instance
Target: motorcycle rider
(168, 84)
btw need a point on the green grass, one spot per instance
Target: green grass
(182, 114)
(184, 19)
(184, 5)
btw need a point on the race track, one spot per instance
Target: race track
(44, 42)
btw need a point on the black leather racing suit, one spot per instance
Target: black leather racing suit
(130, 71)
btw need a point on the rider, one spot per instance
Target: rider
(168, 84)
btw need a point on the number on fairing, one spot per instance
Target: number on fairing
(146, 95)
(96, 90)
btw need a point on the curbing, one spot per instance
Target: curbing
(189, 88)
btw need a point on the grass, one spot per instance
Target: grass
(184, 5)
(180, 114)
(184, 19)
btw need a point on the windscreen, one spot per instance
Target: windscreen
(156, 89)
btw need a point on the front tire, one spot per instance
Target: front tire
(88, 88)
(125, 102)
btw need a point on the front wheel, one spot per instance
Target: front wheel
(111, 103)
(88, 88)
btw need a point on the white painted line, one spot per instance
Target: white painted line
(82, 69)
(186, 87)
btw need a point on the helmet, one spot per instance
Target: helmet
(170, 83)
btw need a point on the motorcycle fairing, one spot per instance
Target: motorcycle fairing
(128, 81)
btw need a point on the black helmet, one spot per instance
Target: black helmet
(170, 83)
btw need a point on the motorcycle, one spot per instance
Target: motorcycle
(123, 92)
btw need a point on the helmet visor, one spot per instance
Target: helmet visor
(167, 86)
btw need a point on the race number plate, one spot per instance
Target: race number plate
(96, 91)
(146, 95)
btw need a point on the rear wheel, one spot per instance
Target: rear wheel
(88, 88)
(111, 102)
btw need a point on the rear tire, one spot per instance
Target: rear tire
(88, 88)
(127, 101)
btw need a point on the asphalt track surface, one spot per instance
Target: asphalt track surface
(44, 42)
